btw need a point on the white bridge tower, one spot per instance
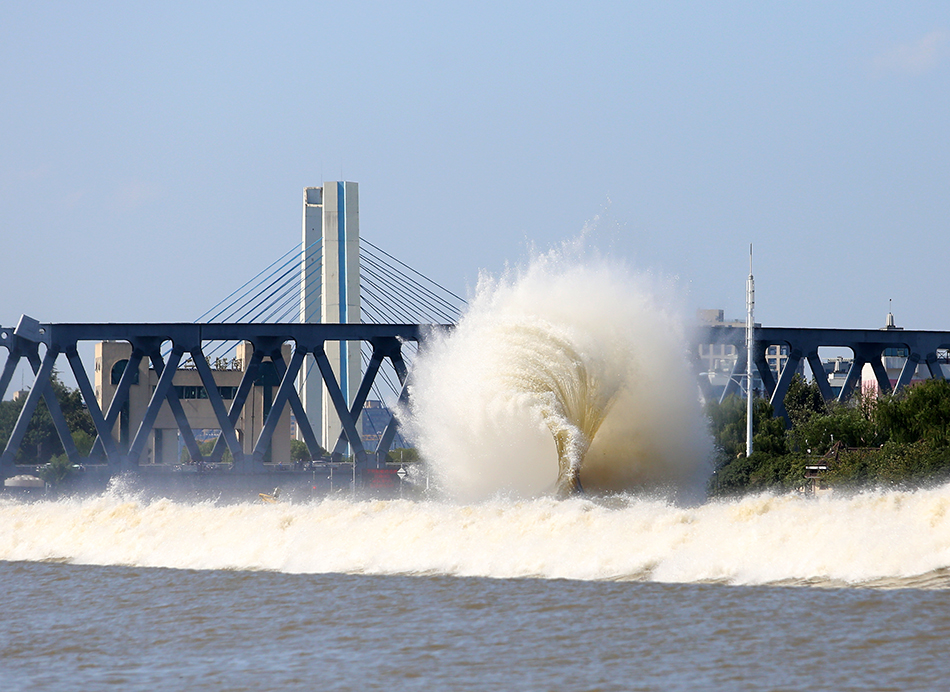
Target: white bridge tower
(330, 293)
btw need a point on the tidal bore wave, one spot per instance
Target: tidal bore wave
(885, 539)
(573, 394)
(568, 372)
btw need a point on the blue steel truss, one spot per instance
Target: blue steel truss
(867, 345)
(147, 340)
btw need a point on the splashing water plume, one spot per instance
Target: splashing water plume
(573, 396)
(567, 373)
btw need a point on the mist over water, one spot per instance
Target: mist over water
(572, 361)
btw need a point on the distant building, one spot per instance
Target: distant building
(718, 358)
(836, 370)
(164, 446)
(375, 417)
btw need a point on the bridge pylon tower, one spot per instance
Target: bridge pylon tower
(330, 294)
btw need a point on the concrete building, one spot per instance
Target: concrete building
(330, 293)
(836, 370)
(164, 444)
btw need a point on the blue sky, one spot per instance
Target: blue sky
(153, 157)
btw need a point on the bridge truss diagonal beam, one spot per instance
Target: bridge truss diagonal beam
(288, 375)
(237, 405)
(92, 405)
(382, 348)
(866, 345)
(339, 404)
(145, 340)
(166, 373)
(217, 404)
(402, 372)
(42, 389)
(293, 398)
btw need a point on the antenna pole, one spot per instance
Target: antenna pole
(749, 342)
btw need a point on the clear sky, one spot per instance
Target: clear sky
(152, 156)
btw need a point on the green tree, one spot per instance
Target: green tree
(908, 465)
(83, 441)
(803, 400)
(41, 441)
(300, 452)
(901, 440)
(206, 447)
(760, 471)
(851, 424)
(403, 455)
(60, 470)
(921, 412)
(727, 423)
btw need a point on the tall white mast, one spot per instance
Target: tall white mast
(749, 341)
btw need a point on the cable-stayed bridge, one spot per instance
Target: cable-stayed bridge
(392, 292)
(324, 331)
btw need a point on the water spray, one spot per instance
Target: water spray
(564, 374)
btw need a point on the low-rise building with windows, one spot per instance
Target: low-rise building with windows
(165, 442)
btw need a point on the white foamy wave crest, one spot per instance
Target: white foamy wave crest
(572, 360)
(882, 538)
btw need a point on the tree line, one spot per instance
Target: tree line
(898, 440)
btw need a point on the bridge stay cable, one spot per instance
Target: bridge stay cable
(398, 309)
(423, 276)
(290, 259)
(422, 297)
(218, 305)
(421, 302)
(402, 280)
(408, 298)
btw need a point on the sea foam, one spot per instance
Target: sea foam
(889, 538)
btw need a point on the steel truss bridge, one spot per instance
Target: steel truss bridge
(42, 344)
(866, 345)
